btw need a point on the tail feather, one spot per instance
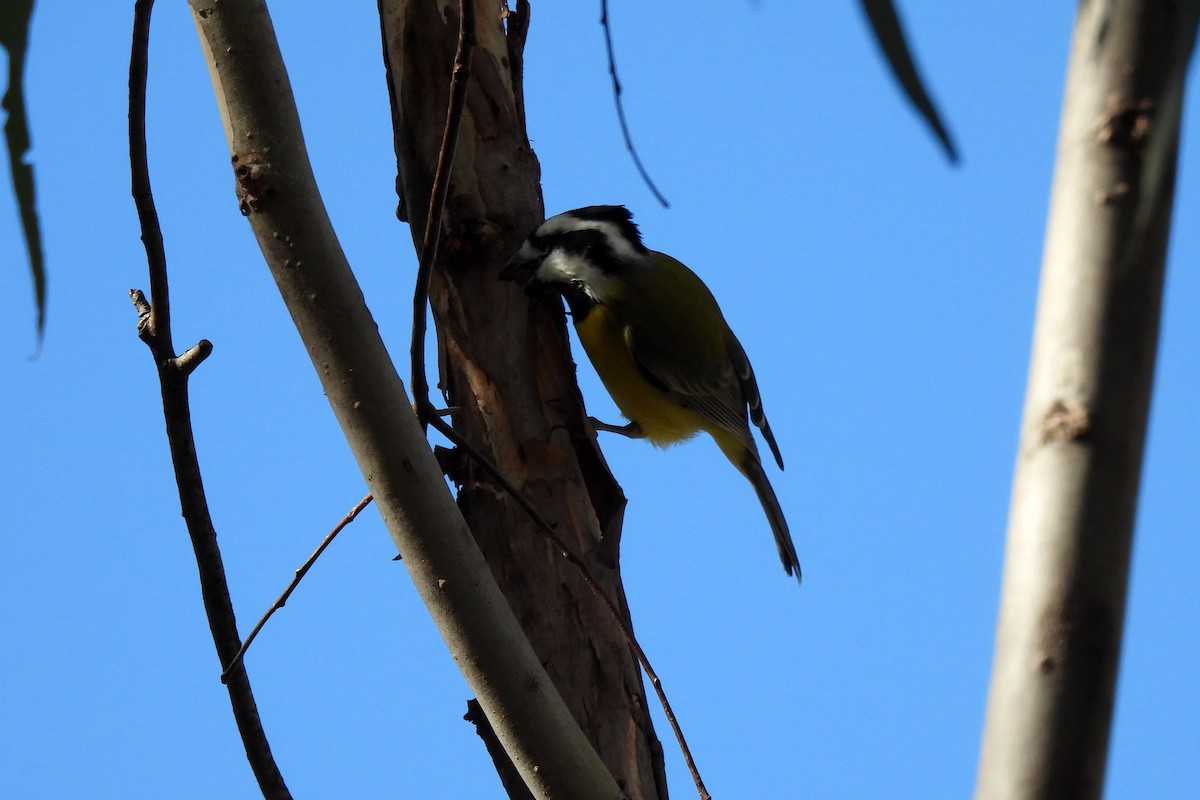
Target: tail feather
(752, 468)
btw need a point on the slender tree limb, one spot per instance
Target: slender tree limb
(155, 329)
(616, 85)
(286, 213)
(437, 204)
(1074, 497)
(281, 601)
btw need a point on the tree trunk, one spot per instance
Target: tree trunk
(1075, 491)
(507, 373)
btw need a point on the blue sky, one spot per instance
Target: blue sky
(885, 298)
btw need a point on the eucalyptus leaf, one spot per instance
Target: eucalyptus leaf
(885, 22)
(14, 38)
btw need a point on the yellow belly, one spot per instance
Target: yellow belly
(661, 419)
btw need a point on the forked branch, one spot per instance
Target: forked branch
(154, 327)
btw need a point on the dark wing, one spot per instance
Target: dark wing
(701, 378)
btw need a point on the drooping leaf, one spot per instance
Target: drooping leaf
(14, 38)
(885, 22)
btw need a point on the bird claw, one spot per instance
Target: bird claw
(632, 430)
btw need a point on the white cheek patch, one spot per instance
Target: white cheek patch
(561, 267)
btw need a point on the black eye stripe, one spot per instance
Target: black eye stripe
(586, 241)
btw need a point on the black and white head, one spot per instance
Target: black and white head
(579, 254)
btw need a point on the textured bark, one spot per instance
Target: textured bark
(1075, 492)
(506, 370)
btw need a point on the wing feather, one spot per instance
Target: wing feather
(714, 392)
(749, 384)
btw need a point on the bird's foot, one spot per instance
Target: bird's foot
(632, 430)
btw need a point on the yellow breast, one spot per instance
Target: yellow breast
(662, 419)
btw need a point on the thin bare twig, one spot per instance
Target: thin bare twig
(616, 84)
(291, 587)
(154, 328)
(437, 203)
(159, 316)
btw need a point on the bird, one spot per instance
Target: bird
(657, 339)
